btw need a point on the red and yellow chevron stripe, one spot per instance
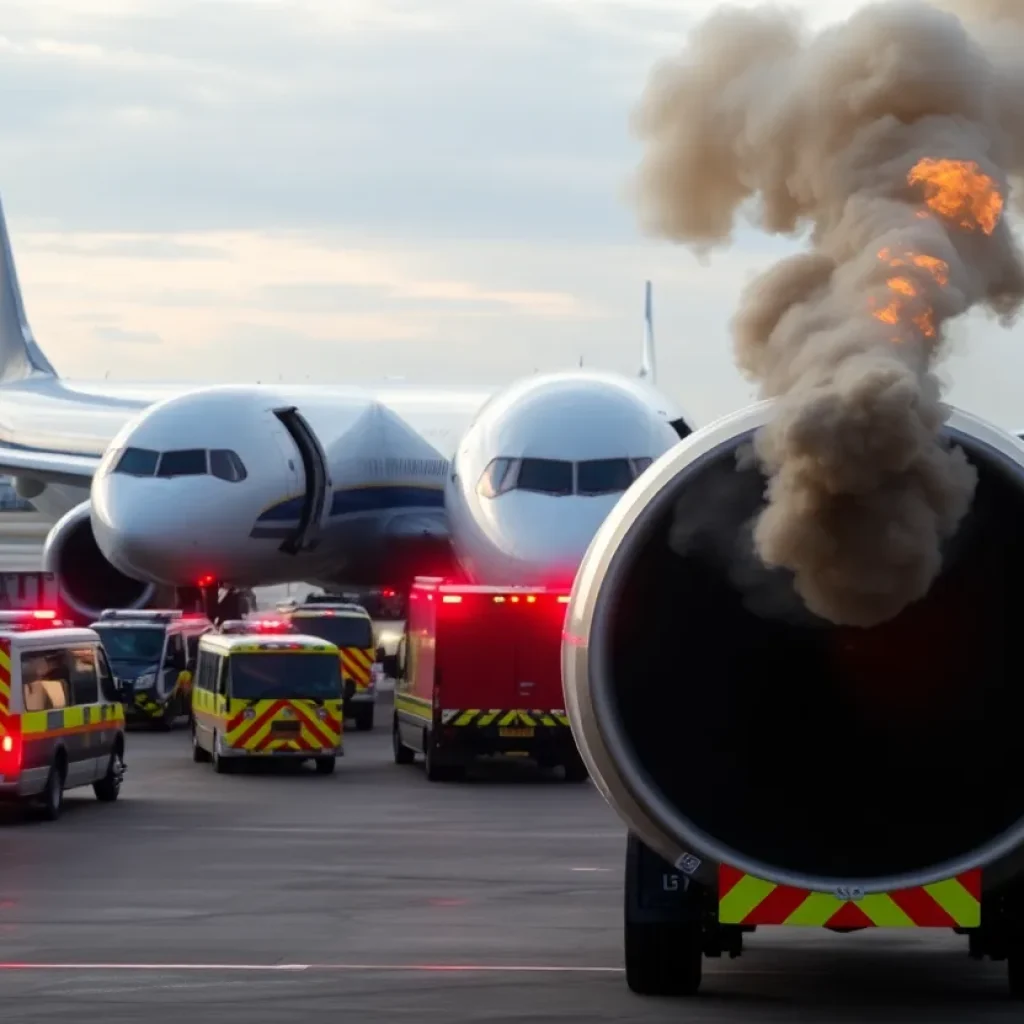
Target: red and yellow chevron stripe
(256, 733)
(356, 663)
(5, 686)
(954, 903)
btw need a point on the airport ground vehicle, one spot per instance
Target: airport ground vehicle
(153, 654)
(61, 718)
(477, 674)
(794, 772)
(261, 696)
(349, 627)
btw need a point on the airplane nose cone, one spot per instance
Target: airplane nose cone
(544, 546)
(146, 536)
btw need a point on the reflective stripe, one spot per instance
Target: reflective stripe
(504, 717)
(744, 899)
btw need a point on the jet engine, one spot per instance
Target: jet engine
(726, 724)
(88, 582)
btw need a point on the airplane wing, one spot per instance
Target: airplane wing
(50, 467)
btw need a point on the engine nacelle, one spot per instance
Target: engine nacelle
(88, 582)
(725, 724)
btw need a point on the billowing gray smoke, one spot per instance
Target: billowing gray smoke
(894, 138)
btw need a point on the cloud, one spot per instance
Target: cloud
(350, 189)
(118, 336)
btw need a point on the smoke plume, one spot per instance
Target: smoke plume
(892, 137)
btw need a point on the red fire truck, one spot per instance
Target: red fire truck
(478, 673)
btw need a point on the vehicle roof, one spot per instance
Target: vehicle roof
(171, 626)
(443, 587)
(51, 637)
(334, 611)
(250, 643)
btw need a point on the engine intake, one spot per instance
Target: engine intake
(88, 582)
(724, 722)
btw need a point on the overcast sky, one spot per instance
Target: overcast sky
(341, 190)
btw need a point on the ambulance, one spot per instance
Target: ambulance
(349, 627)
(478, 673)
(153, 653)
(61, 714)
(267, 696)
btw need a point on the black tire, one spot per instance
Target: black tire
(108, 789)
(1015, 972)
(325, 765)
(52, 798)
(402, 753)
(663, 960)
(439, 771)
(221, 765)
(199, 754)
(362, 715)
(575, 768)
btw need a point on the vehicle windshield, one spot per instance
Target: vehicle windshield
(340, 630)
(281, 676)
(132, 647)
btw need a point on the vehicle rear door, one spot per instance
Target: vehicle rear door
(475, 653)
(538, 653)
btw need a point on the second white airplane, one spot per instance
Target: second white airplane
(203, 488)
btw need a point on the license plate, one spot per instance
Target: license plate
(517, 733)
(285, 728)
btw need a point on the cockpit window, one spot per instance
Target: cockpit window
(498, 477)
(184, 462)
(603, 476)
(226, 465)
(137, 462)
(545, 476)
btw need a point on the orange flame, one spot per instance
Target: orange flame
(904, 304)
(958, 190)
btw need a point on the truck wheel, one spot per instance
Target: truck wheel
(438, 771)
(199, 755)
(403, 754)
(53, 795)
(362, 714)
(1015, 972)
(325, 765)
(108, 789)
(663, 960)
(575, 768)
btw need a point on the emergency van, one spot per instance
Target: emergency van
(153, 653)
(259, 696)
(478, 672)
(350, 628)
(61, 717)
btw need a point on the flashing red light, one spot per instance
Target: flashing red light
(8, 744)
(44, 614)
(451, 599)
(205, 581)
(389, 593)
(10, 751)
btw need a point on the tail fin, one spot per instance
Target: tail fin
(20, 356)
(648, 366)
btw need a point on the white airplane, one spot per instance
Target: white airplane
(207, 489)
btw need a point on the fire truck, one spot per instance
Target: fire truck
(478, 673)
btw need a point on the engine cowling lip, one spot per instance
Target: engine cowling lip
(591, 705)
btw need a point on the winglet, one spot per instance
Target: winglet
(20, 356)
(648, 366)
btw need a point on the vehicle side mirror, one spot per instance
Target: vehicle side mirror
(389, 665)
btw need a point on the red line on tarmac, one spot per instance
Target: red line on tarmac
(416, 968)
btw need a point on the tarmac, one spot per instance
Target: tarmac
(374, 895)
(279, 895)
